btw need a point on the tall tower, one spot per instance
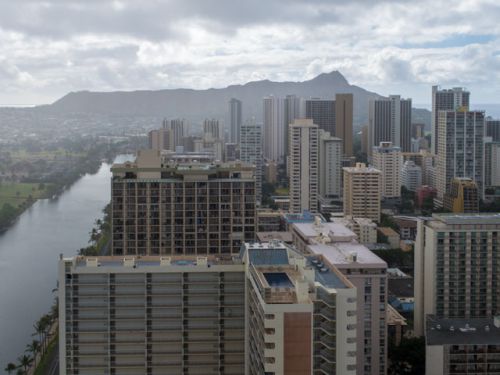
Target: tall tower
(387, 159)
(362, 192)
(291, 111)
(274, 129)
(460, 149)
(251, 152)
(180, 129)
(343, 121)
(390, 121)
(235, 116)
(303, 165)
(446, 100)
(330, 165)
(322, 112)
(211, 129)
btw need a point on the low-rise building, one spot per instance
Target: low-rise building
(364, 228)
(389, 235)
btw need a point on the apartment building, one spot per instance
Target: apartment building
(362, 192)
(457, 267)
(367, 272)
(174, 208)
(387, 159)
(266, 310)
(462, 197)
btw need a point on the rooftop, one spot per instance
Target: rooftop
(478, 218)
(325, 275)
(343, 254)
(474, 331)
(269, 236)
(387, 231)
(334, 230)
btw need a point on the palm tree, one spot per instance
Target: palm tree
(10, 367)
(25, 361)
(40, 331)
(33, 348)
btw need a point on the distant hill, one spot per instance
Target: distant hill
(195, 105)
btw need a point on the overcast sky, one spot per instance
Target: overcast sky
(48, 48)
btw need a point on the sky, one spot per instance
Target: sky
(49, 48)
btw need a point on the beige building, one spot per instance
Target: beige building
(365, 229)
(362, 192)
(174, 208)
(367, 272)
(303, 166)
(330, 165)
(267, 310)
(457, 267)
(387, 159)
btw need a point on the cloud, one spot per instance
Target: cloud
(52, 47)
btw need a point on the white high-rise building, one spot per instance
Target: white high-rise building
(446, 100)
(387, 158)
(460, 150)
(411, 175)
(330, 165)
(251, 152)
(211, 129)
(180, 129)
(274, 129)
(303, 166)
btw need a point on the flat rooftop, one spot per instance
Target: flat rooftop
(340, 254)
(311, 230)
(325, 275)
(478, 218)
(269, 236)
(474, 331)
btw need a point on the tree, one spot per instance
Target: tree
(25, 361)
(408, 358)
(33, 348)
(10, 367)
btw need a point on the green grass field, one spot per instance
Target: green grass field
(17, 193)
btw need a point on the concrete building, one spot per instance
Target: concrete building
(274, 129)
(493, 129)
(160, 139)
(269, 220)
(343, 121)
(235, 120)
(425, 192)
(365, 139)
(390, 236)
(330, 165)
(266, 310)
(425, 160)
(174, 208)
(292, 110)
(212, 130)
(387, 159)
(411, 176)
(462, 196)
(390, 121)
(180, 130)
(303, 166)
(457, 267)
(251, 152)
(362, 192)
(322, 112)
(365, 229)
(460, 149)
(417, 130)
(271, 172)
(491, 168)
(367, 273)
(462, 346)
(231, 152)
(445, 100)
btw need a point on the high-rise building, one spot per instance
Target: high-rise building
(387, 159)
(251, 152)
(460, 149)
(274, 129)
(390, 121)
(330, 165)
(303, 165)
(446, 100)
(411, 175)
(457, 267)
(211, 129)
(462, 196)
(292, 111)
(175, 208)
(180, 130)
(425, 160)
(267, 309)
(322, 112)
(367, 272)
(493, 129)
(491, 167)
(362, 192)
(364, 139)
(343, 121)
(160, 139)
(417, 130)
(235, 120)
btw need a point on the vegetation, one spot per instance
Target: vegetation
(407, 201)
(408, 358)
(43, 366)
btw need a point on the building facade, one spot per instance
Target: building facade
(303, 166)
(274, 129)
(411, 176)
(171, 208)
(235, 120)
(387, 159)
(344, 105)
(362, 192)
(330, 165)
(322, 112)
(462, 197)
(251, 152)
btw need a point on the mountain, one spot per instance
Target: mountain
(195, 105)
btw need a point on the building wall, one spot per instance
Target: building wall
(343, 121)
(387, 159)
(362, 192)
(251, 152)
(434, 360)
(330, 159)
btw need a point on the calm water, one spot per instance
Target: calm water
(29, 252)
